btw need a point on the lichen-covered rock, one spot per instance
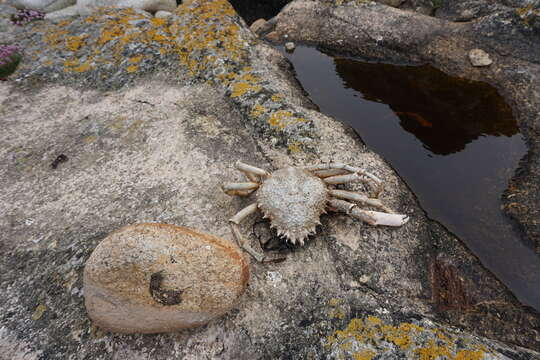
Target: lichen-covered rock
(371, 337)
(150, 139)
(152, 278)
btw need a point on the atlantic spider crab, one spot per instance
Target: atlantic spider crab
(293, 198)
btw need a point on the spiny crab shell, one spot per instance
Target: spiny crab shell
(293, 200)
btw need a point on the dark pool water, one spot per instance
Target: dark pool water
(453, 141)
(252, 10)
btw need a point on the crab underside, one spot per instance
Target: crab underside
(293, 199)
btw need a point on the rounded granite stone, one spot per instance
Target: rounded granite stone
(152, 278)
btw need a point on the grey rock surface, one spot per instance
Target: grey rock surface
(151, 138)
(258, 26)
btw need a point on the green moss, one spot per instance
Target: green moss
(437, 3)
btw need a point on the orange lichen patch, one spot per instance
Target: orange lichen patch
(135, 59)
(158, 22)
(470, 355)
(70, 64)
(432, 351)
(208, 26)
(241, 88)
(283, 118)
(132, 68)
(409, 340)
(364, 355)
(257, 110)
(110, 33)
(279, 118)
(116, 32)
(207, 36)
(74, 43)
(277, 97)
(83, 67)
(55, 37)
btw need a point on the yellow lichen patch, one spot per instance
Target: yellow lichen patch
(408, 340)
(364, 355)
(89, 139)
(279, 118)
(109, 34)
(525, 10)
(135, 59)
(470, 355)
(283, 118)
(69, 64)
(432, 351)
(205, 27)
(241, 88)
(334, 302)
(257, 110)
(38, 312)
(337, 313)
(295, 147)
(83, 67)
(132, 68)
(277, 97)
(158, 21)
(74, 43)
(55, 37)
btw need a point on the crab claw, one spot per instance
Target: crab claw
(385, 219)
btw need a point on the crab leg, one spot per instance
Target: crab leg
(354, 196)
(330, 172)
(252, 173)
(370, 217)
(241, 189)
(235, 221)
(354, 170)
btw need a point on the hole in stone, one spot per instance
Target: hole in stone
(453, 141)
(252, 10)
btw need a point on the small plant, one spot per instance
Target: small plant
(437, 3)
(9, 60)
(25, 16)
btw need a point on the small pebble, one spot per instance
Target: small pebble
(289, 46)
(163, 14)
(257, 26)
(273, 37)
(479, 57)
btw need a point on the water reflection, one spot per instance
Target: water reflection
(453, 141)
(443, 112)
